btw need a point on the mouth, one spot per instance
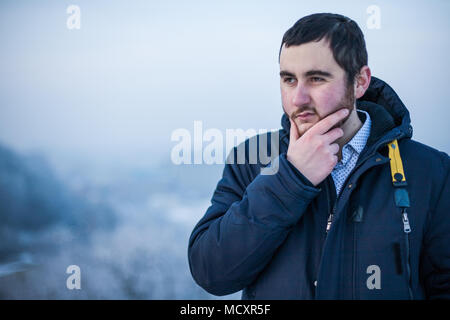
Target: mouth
(305, 115)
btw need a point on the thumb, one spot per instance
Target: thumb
(294, 135)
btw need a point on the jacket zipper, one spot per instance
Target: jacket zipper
(330, 217)
(328, 191)
(407, 230)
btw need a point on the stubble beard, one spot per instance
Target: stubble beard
(347, 102)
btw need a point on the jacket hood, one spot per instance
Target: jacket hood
(385, 108)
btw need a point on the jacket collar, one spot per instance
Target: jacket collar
(386, 110)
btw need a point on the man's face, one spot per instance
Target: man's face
(313, 85)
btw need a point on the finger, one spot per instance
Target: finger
(294, 135)
(334, 147)
(335, 160)
(328, 122)
(333, 135)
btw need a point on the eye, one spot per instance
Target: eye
(289, 80)
(317, 79)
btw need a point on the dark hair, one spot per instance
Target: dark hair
(343, 34)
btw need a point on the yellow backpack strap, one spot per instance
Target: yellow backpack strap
(398, 175)
(401, 195)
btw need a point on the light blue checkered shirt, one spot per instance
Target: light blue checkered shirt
(350, 154)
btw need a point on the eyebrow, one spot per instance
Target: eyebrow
(309, 73)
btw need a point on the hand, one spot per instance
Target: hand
(314, 153)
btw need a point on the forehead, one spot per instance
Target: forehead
(309, 56)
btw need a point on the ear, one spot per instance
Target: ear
(362, 81)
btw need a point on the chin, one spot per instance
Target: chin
(303, 127)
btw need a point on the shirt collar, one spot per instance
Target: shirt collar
(359, 140)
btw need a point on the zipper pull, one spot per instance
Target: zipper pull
(330, 217)
(330, 220)
(406, 225)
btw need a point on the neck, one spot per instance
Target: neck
(350, 127)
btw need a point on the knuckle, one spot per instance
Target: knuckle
(334, 160)
(320, 144)
(335, 117)
(338, 133)
(335, 147)
(309, 139)
(306, 137)
(330, 151)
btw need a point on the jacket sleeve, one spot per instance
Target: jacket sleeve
(436, 253)
(245, 225)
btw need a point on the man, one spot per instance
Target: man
(345, 216)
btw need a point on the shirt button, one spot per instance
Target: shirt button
(315, 283)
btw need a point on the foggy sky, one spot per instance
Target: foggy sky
(137, 70)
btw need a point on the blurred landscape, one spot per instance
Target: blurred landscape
(128, 233)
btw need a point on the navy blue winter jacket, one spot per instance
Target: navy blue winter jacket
(266, 234)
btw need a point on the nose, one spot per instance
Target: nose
(301, 96)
